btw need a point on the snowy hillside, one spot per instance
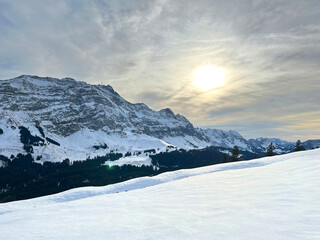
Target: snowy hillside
(226, 139)
(269, 198)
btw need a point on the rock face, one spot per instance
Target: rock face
(82, 116)
(65, 118)
(65, 106)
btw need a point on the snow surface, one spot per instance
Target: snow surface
(131, 160)
(271, 198)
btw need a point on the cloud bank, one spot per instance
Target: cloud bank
(148, 49)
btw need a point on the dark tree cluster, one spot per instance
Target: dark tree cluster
(23, 178)
(108, 157)
(128, 154)
(299, 147)
(150, 151)
(28, 140)
(183, 159)
(235, 156)
(40, 130)
(97, 147)
(270, 150)
(52, 141)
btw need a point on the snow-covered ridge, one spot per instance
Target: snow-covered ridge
(80, 116)
(65, 106)
(278, 196)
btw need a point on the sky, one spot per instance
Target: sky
(148, 50)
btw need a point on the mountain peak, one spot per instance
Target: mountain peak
(167, 111)
(93, 114)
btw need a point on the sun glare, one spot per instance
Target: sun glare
(208, 77)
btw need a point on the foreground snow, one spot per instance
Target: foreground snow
(270, 198)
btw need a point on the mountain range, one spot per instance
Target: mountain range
(54, 119)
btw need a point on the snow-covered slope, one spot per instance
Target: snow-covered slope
(269, 198)
(226, 139)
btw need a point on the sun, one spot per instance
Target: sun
(208, 77)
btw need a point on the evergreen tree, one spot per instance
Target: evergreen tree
(270, 150)
(225, 158)
(299, 146)
(235, 154)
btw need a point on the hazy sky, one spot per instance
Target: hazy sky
(148, 50)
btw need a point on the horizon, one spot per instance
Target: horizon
(149, 51)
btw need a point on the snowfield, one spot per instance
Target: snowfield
(269, 198)
(132, 160)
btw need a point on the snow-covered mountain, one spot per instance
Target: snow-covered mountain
(84, 120)
(268, 198)
(226, 139)
(310, 144)
(261, 144)
(64, 118)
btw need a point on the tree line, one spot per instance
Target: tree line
(298, 147)
(23, 177)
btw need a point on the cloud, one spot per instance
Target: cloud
(147, 50)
